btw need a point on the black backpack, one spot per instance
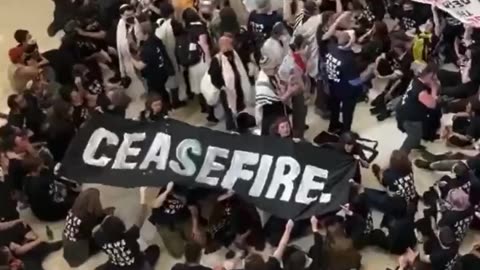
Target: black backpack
(187, 50)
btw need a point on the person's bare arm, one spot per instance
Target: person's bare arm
(158, 202)
(278, 254)
(9, 224)
(28, 71)
(203, 41)
(334, 25)
(429, 99)
(436, 21)
(21, 250)
(338, 6)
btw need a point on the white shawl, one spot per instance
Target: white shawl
(308, 30)
(212, 94)
(164, 32)
(124, 55)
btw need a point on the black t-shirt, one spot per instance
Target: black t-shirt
(158, 66)
(411, 109)
(79, 115)
(174, 209)
(401, 184)
(458, 221)
(470, 262)
(86, 46)
(443, 258)
(80, 228)
(124, 252)
(401, 234)
(261, 25)
(40, 192)
(330, 5)
(273, 264)
(183, 266)
(473, 130)
(341, 69)
(322, 43)
(227, 218)
(8, 206)
(16, 173)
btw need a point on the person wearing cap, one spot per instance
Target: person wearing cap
(441, 253)
(269, 95)
(19, 74)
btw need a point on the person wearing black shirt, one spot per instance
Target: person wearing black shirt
(471, 261)
(49, 199)
(418, 105)
(121, 246)
(157, 66)
(154, 109)
(176, 218)
(25, 113)
(61, 129)
(441, 252)
(359, 221)
(260, 23)
(397, 179)
(344, 85)
(86, 213)
(459, 214)
(256, 262)
(400, 225)
(193, 254)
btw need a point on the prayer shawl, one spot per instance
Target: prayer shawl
(265, 94)
(308, 30)
(212, 94)
(124, 55)
(164, 32)
(136, 88)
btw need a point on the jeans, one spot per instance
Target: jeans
(414, 131)
(377, 199)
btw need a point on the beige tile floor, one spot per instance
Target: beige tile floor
(35, 15)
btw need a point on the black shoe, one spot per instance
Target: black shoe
(52, 30)
(212, 119)
(384, 115)
(179, 104)
(422, 164)
(376, 170)
(375, 110)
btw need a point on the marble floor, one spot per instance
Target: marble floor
(35, 15)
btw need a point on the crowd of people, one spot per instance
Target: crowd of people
(253, 68)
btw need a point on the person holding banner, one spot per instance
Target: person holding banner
(176, 218)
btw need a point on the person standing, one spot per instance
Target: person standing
(157, 67)
(129, 35)
(344, 82)
(417, 103)
(168, 30)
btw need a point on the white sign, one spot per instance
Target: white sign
(466, 11)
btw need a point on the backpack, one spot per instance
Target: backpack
(422, 47)
(187, 50)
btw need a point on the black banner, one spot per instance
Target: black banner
(284, 178)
